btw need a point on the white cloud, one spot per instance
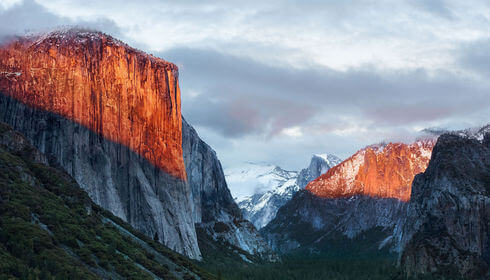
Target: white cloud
(7, 4)
(292, 131)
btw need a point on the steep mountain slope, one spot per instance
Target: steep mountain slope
(110, 116)
(447, 225)
(362, 198)
(50, 228)
(215, 212)
(384, 170)
(261, 208)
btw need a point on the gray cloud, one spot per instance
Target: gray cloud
(436, 7)
(239, 96)
(31, 17)
(475, 56)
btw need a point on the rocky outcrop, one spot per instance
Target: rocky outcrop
(214, 210)
(110, 116)
(447, 223)
(319, 164)
(384, 170)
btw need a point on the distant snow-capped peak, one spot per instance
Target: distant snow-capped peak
(255, 178)
(270, 186)
(329, 159)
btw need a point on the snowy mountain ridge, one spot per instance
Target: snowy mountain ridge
(256, 178)
(272, 186)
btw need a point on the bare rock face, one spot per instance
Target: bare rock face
(110, 116)
(214, 210)
(384, 171)
(319, 164)
(447, 225)
(123, 94)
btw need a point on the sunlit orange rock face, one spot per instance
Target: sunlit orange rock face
(383, 171)
(123, 94)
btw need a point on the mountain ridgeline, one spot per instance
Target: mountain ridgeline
(109, 115)
(365, 193)
(87, 100)
(274, 186)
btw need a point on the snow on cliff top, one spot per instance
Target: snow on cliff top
(81, 36)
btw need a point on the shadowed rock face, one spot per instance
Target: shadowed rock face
(110, 116)
(261, 208)
(384, 171)
(314, 223)
(213, 200)
(446, 228)
(115, 177)
(214, 210)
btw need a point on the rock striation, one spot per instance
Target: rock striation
(110, 116)
(384, 170)
(125, 95)
(215, 212)
(446, 229)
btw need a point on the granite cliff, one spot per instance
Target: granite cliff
(446, 229)
(384, 170)
(110, 116)
(215, 212)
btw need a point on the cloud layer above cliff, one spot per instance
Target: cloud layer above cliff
(280, 80)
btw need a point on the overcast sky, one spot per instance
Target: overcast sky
(276, 81)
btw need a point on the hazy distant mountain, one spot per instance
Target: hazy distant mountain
(319, 164)
(274, 186)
